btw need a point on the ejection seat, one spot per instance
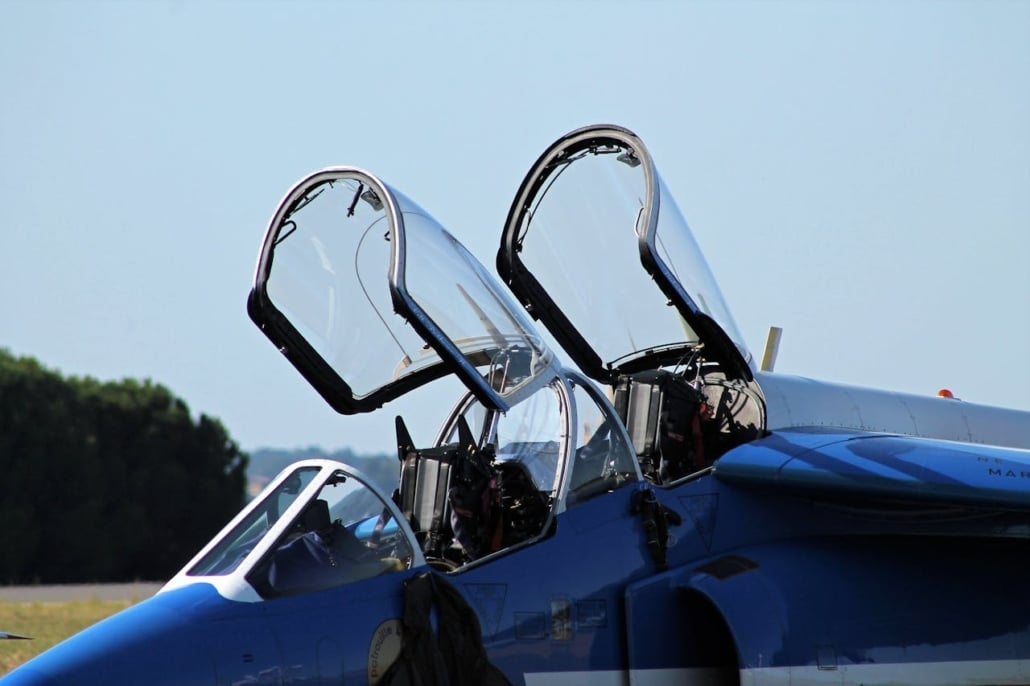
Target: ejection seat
(434, 482)
(462, 504)
(424, 484)
(680, 428)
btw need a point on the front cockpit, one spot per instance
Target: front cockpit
(319, 525)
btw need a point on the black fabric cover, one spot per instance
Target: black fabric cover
(453, 656)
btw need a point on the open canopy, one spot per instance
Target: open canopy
(591, 233)
(369, 297)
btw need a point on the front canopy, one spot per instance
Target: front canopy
(369, 297)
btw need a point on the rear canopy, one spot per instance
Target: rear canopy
(596, 249)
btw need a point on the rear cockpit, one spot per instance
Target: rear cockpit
(592, 231)
(681, 422)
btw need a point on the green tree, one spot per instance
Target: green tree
(106, 481)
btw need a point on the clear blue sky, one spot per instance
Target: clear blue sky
(857, 172)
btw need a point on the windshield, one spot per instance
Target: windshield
(234, 546)
(346, 533)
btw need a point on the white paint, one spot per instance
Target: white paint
(635, 677)
(588, 678)
(972, 673)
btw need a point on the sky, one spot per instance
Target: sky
(857, 173)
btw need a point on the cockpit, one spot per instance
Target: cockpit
(370, 298)
(493, 482)
(319, 526)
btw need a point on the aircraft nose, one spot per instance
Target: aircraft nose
(149, 643)
(28, 676)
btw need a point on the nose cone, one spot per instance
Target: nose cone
(158, 641)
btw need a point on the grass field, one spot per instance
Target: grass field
(47, 624)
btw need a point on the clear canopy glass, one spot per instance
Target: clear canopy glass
(370, 297)
(607, 247)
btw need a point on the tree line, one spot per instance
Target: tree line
(106, 481)
(382, 469)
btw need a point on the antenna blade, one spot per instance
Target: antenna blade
(772, 348)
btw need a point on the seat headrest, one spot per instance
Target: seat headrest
(316, 516)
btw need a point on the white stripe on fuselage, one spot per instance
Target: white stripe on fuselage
(600, 678)
(973, 673)
(635, 677)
